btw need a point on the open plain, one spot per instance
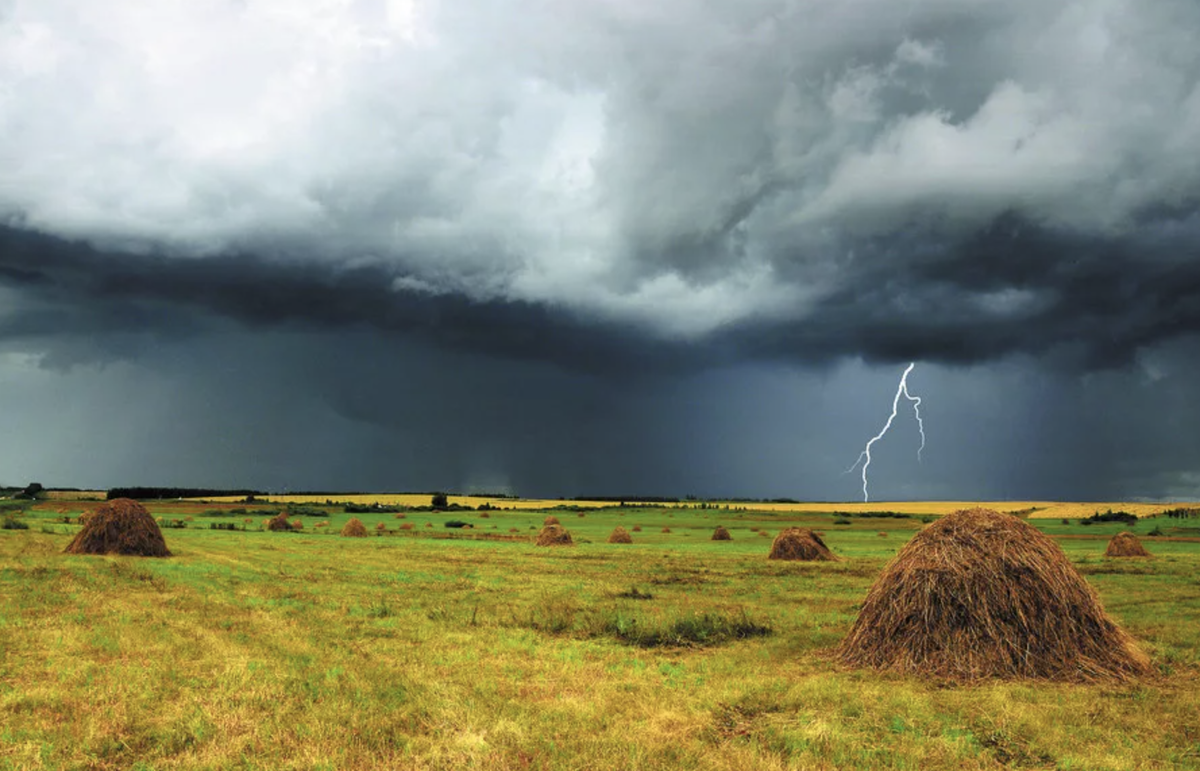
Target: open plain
(431, 647)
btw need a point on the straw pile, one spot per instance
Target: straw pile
(721, 534)
(279, 523)
(797, 543)
(620, 535)
(981, 594)
(554, 535)
(550, 520)
(1125, 545)
(120, 526)
(354, 529)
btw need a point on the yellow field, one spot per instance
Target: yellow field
(1041, 509)
(73, 495)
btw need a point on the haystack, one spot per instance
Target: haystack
(354, 529)
(721, 534)
(1125, 545)
(120, 526)
(554, 535)
(550, 520)
(620, 535)
(798, 543)
(279, 523)
(981, 594)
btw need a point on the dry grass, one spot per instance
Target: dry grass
(981, 594)
(620, 535)
(554, 535)
(121, 526)
(354, 528)
(798, 543)
(721, 534)
(1125, 545)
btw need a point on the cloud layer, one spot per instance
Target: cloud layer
(934, 180)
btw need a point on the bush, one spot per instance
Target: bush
(13, 524)
(1110, 516)
(841, 521)
(439, 501)
(456, 523)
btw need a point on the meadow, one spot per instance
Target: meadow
(448, 648)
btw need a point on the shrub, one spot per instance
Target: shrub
(1111, 516)
(841, 521)
(456, 523)
(439, 501)
(13, 524)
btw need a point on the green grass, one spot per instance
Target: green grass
(255, 650)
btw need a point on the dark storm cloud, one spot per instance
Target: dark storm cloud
(548, 197)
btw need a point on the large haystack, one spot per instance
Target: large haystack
(354, 529)
(1125, 545)
(798, 543)
(279, 523)
(721, 534)
(981, 594)
(554, 535)
(620, 535)
(120, 526)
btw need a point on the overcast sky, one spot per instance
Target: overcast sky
(602, 246)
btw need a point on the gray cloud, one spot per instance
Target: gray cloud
(630, 204)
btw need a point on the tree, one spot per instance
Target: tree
(439, 501)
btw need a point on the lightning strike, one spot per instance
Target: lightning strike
(865, 456)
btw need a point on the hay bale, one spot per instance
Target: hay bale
(979, 594)
(554, 535)
(798, 543)
(354, 529)
(550, 520)
(120, 526)
(721, 534)
(279, 523)
(620, 535)
(637, 528)
(666, 529)
(1125, 545)
(882, 534)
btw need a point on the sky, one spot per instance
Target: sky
(602, 247)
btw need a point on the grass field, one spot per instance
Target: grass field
(437, 648)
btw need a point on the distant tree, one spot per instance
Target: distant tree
(30, 492)
(439, 501)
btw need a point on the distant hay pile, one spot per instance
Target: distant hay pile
(554, 535)
(279, 523)
(1125, 545)
(354, 529)
(620, 535)
(798, 543)
(120, 526)
(721, 534)
(981, 594)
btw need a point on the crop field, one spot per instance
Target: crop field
(1034, 509)
(424, 646)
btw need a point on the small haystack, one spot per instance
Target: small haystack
(1125, 545)
(554, 535)
(550, 520)
(120, 526)
(979, 594)
(354, 529)
(798, 543)
(279, 523)
(620, 535)
(721, 534)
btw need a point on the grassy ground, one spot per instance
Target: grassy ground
(256, 650)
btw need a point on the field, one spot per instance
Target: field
(1035, 509)
(454, 648)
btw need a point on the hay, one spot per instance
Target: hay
(721, 534)
(1125, 545)
(979, 594)
(797, 543)
(620, 535)
(279, 523)
(354, 529)
(554, 535)
(550, 520)
(120, 526)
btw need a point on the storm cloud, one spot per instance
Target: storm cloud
(619, 206)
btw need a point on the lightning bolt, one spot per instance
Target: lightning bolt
(864, 457)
